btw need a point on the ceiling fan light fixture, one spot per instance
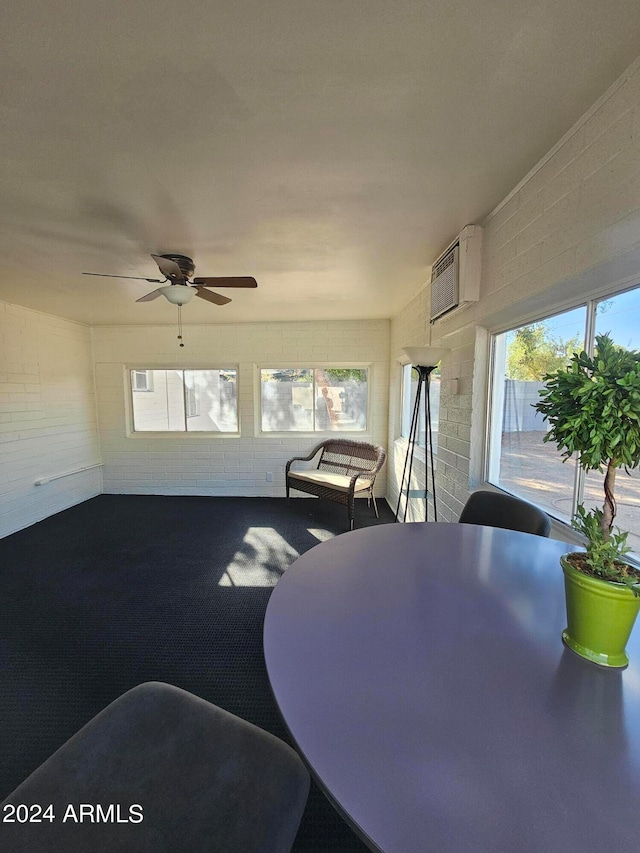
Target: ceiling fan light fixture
(177, 294)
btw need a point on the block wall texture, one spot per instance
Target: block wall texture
(226, 464)
(47, 416)
(568, 232)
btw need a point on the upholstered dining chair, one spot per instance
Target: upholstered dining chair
(161, 770)
(494, 509)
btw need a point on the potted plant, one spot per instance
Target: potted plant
(593, 409)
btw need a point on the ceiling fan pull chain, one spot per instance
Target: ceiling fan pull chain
(180, 325)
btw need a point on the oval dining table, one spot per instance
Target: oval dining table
(420, 671)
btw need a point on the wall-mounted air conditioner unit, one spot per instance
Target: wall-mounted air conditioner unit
(455, 276)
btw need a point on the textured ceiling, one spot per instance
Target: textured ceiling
(329, 149)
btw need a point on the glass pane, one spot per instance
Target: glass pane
(410, 388)
(434, 401)
(409, 378)
(160, 409)
(212, 400)
(627, 492)
(620, 316)
(286, 399)
(341, 399)
(519, 461)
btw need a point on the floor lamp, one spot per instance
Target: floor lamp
(424, 360)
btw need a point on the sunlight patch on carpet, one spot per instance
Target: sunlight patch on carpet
(261, 561)
(320, 534)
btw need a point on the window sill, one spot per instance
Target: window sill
(182, 435)
(419, 452)
(320, 436)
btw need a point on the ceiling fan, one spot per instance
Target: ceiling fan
(181, 287)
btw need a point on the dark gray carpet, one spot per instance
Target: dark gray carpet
(124, 589)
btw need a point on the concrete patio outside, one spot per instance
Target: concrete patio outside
(535, 472)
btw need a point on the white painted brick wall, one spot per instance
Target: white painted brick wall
(570, 229)
(226, 465)
(47, 416)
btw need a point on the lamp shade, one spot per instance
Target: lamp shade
(425, 356)
(178, 294)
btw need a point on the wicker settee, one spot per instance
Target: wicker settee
(345, 469)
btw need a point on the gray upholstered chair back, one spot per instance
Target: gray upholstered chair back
(170, 773)
(494, 509)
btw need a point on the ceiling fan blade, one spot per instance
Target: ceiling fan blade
(211, 297)
(149, 296)
(227, 281)
(136, 277)
(168, 267)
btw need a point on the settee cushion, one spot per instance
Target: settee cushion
(339, 482)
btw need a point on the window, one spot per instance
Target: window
(192, 401)
(518, 459)
(409, 390)
(185, 400)
(314, 399)
(141, 380)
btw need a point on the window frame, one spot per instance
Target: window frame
(277, 364)
(591, 307)
(130, 430)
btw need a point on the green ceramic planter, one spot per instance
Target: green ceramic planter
(600, 617)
